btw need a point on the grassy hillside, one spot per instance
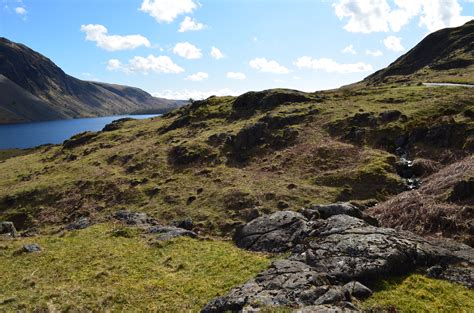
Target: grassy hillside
(223, 161)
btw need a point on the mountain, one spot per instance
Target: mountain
(328, 196)
(33, 88)
(443, 56)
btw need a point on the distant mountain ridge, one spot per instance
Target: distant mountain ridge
(443, 56)
(33, 88)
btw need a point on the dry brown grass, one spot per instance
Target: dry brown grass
(429, 210)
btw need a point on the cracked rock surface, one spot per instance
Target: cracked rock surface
(332, 259)
(277, 232)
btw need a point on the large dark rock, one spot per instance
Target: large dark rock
(8, 228)
(277, 232)
(331, 256)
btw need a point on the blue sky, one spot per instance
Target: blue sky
(164, 46)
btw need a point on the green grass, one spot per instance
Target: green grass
(11, 153)
(418, 293)
(96, 270)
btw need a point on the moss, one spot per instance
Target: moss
(71, 272)
(417, 293)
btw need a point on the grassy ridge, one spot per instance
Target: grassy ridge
(134, 166)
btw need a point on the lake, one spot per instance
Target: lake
(28, 135)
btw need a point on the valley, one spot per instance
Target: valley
(271, 201)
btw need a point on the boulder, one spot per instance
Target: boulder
(358, 290)
(277, 232)
(8, 228)
(133, 218)
(169, 232)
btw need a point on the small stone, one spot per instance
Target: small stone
(31, 248)
(169, 232)
(434, 271)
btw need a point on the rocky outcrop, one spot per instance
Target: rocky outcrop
(331, 259)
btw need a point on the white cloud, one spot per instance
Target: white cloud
(195, 94)
(114, 64)
(188, 24)
(138, 64)
(187, 50)
(393, 43)
(297, 78)
(236, 75)
(197, 77)
(21, 10)
(268, 66)
(167, 10)
(441, 14)
(331, 66)
(98, 34)
(366, 16)
(374, 53)
(349, 49)
(216, 53)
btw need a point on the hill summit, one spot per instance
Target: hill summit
(443, 56)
